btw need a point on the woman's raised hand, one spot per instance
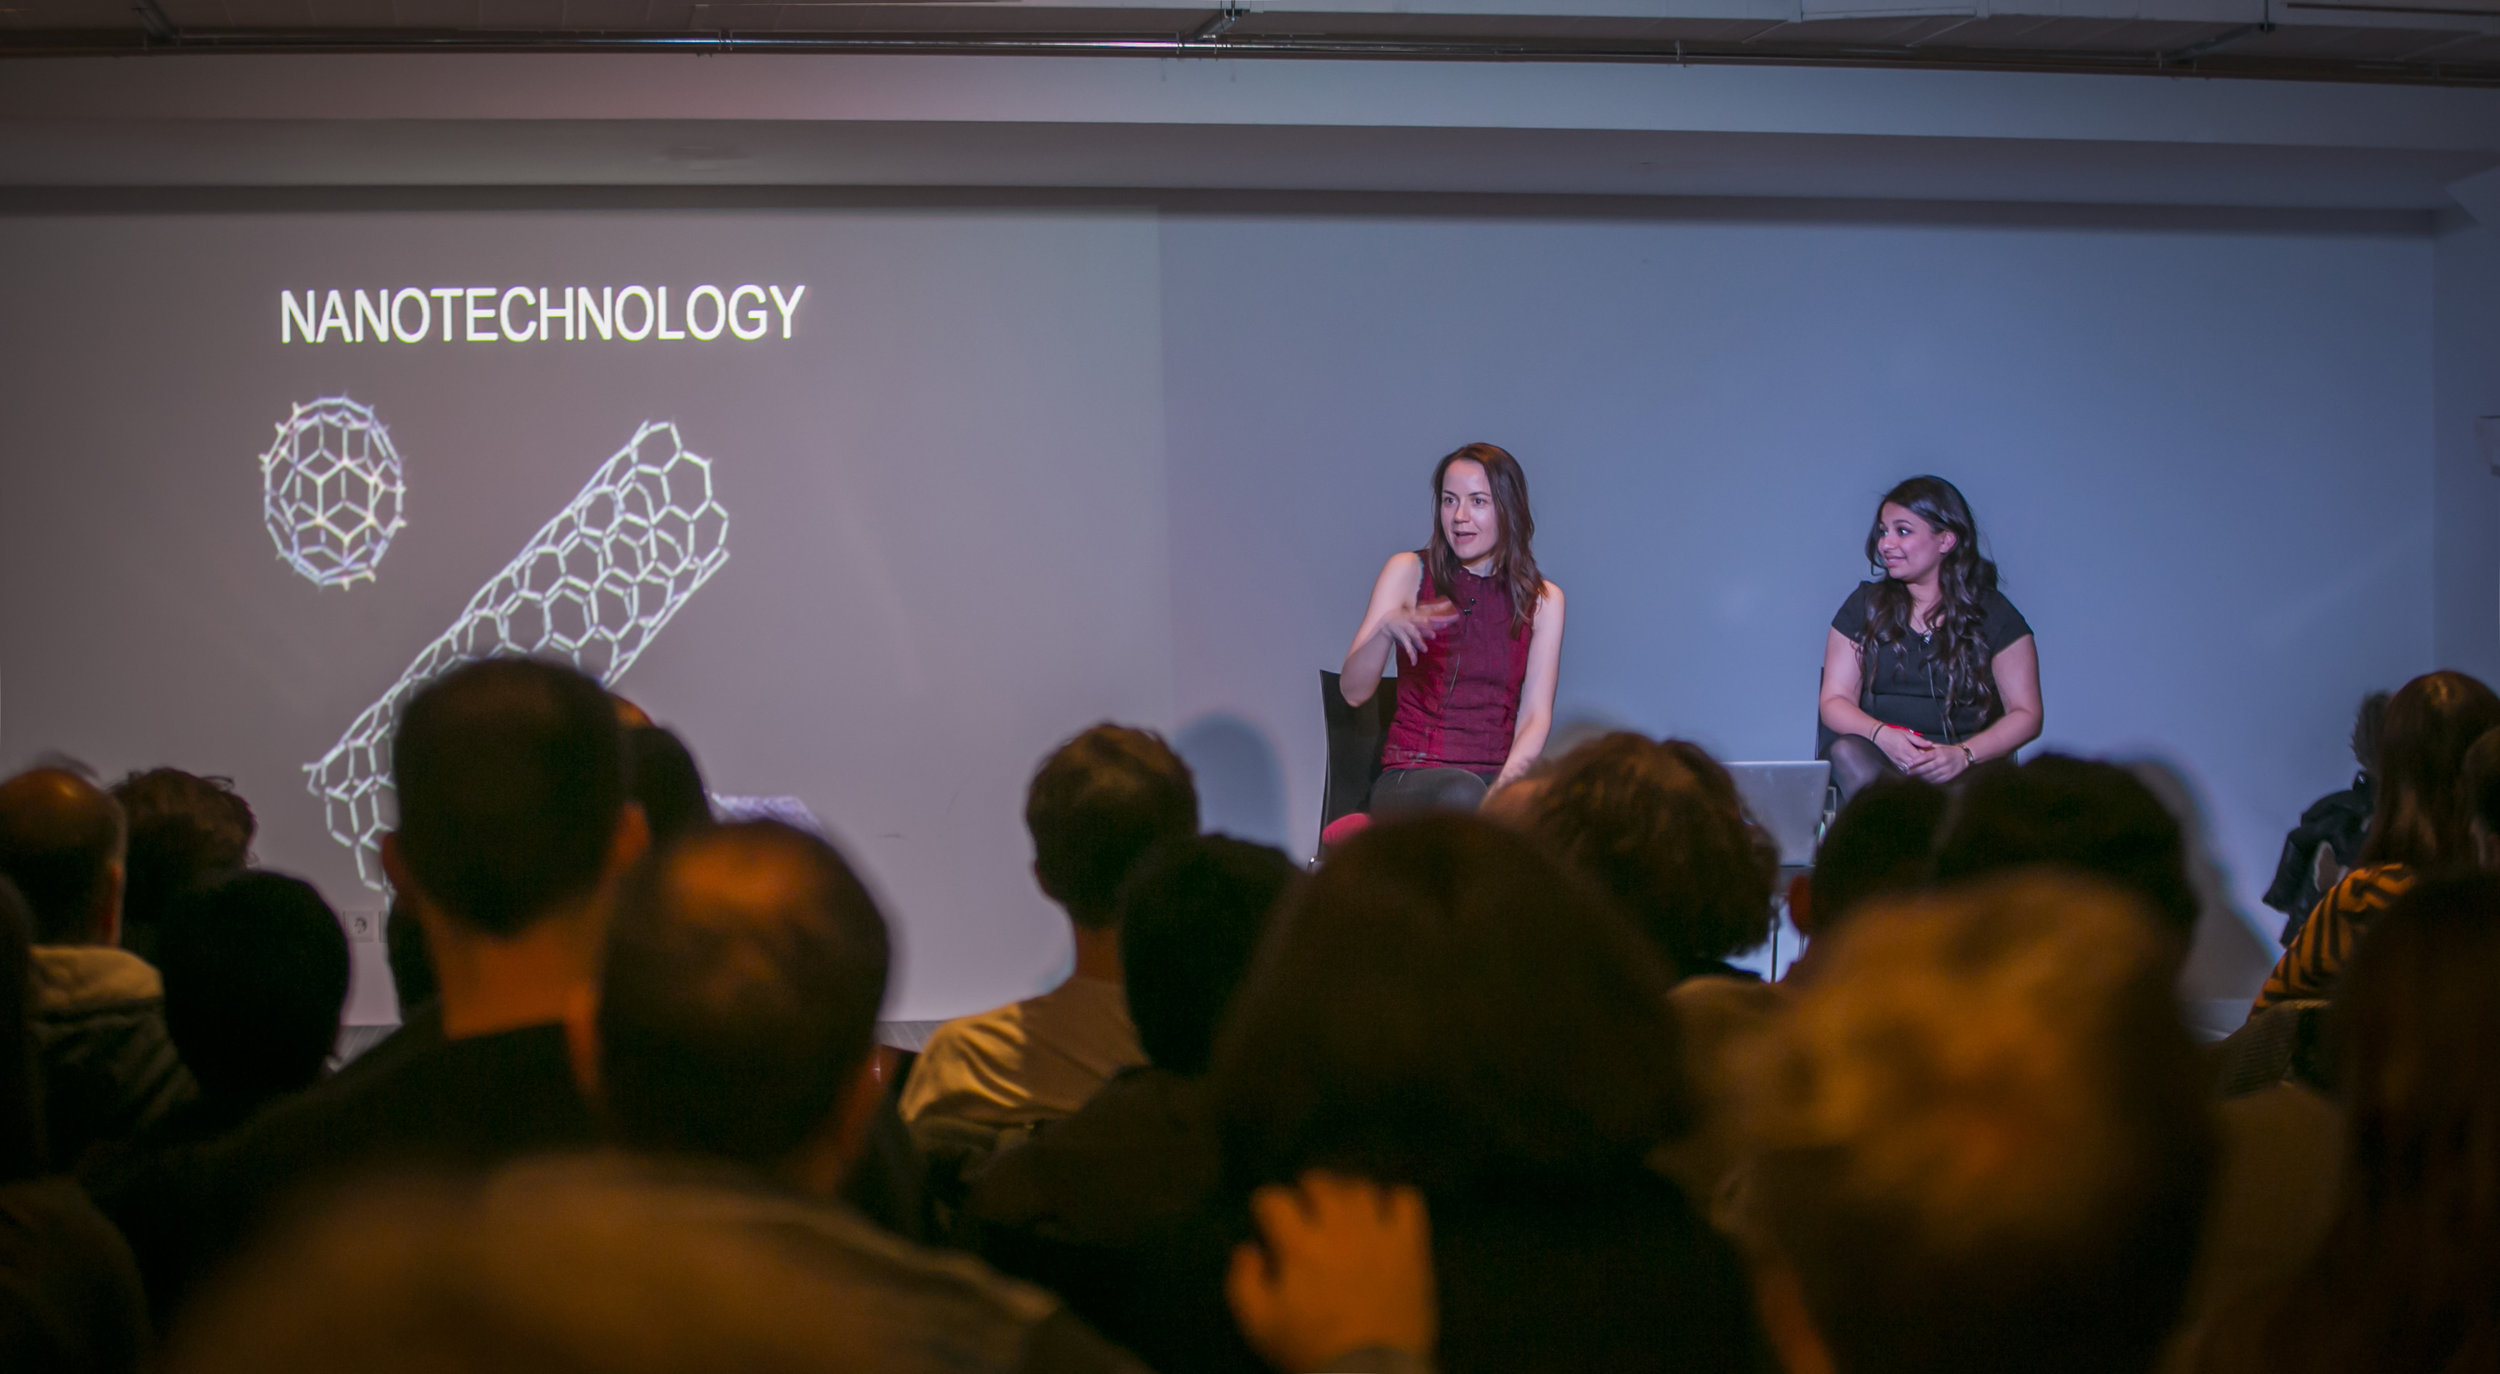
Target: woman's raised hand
(1413, 627)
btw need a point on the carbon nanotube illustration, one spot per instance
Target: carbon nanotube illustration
(331, 489)
(592, 586)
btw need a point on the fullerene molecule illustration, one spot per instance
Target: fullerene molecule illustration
(331, 491)
(591, 587)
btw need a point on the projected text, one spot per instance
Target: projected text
(539, 314)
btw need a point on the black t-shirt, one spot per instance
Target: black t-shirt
(1905, 686)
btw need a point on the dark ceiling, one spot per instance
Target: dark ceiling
(2436, 41)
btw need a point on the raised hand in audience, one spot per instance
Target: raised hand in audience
(1342, 1281)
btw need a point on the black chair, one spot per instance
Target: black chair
(1355, 734)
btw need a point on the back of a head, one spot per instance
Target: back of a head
(1878, 846)
(2079, 814)
(186, 832)
(745, 966)
(2478, 787)
(666, 782)
(2409, 1277)
(1444, 1003)
(569, 1266)
(1097, 804)
(60, 837)
(511, 776)
(21, 1085)
(1661, 828)
(2417, 817)
(2369, 722)
(256, 971)
(1191, 916)
(1983, 1134)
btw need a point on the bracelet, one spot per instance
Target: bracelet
(1879, 729)
(1969, 759)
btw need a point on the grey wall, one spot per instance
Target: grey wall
(1032, 468)
(2202, 460)
(2468, 502)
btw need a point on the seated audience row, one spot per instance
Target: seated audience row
(1482, 1093)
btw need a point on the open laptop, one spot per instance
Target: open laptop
(1790, 801)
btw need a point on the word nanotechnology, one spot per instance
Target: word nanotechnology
(521, 314)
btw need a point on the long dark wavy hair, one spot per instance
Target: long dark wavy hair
(1964, 581)
(2417, 813)
(2408, 1281)
(1514, 566)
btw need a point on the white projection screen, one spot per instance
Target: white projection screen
(873, 546)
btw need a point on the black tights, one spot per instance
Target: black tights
(1411, 791)
(1855, 763)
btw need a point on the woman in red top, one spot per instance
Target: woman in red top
(1477, 632)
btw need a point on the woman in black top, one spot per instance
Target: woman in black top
(1929, 669)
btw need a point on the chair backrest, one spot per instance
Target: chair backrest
(1355, 734)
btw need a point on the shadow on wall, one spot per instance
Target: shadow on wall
(1241, 786)
(2229, 959)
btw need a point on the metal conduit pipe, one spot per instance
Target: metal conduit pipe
(1212, 40)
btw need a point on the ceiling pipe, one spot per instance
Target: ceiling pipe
(1218, 43)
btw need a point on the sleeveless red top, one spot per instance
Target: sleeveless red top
(1459, 703)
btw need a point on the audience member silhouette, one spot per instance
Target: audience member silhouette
(1445, 1006)
(1098, 803)
(589, 1266)
(1111, 1207)
(412, 986)
(186, 832)
(2327, 843)
(2417, 826)
(110, 1069)
(1983, 1139)
(256, 973)
(513, 825)
(1881, 844)
(666, 783)
(1661, 829)
(2081, 815)
(743, 977)
(2276, 1146)
(1469, 1098)
(2479, 794)
(70, 1300)
(2407, 1280)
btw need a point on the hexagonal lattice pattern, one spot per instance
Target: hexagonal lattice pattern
(592, 586)
(331, 489)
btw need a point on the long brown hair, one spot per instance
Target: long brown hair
(1963, 584)
(2408, 1280)
(2417, 816)
(1514, 566)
